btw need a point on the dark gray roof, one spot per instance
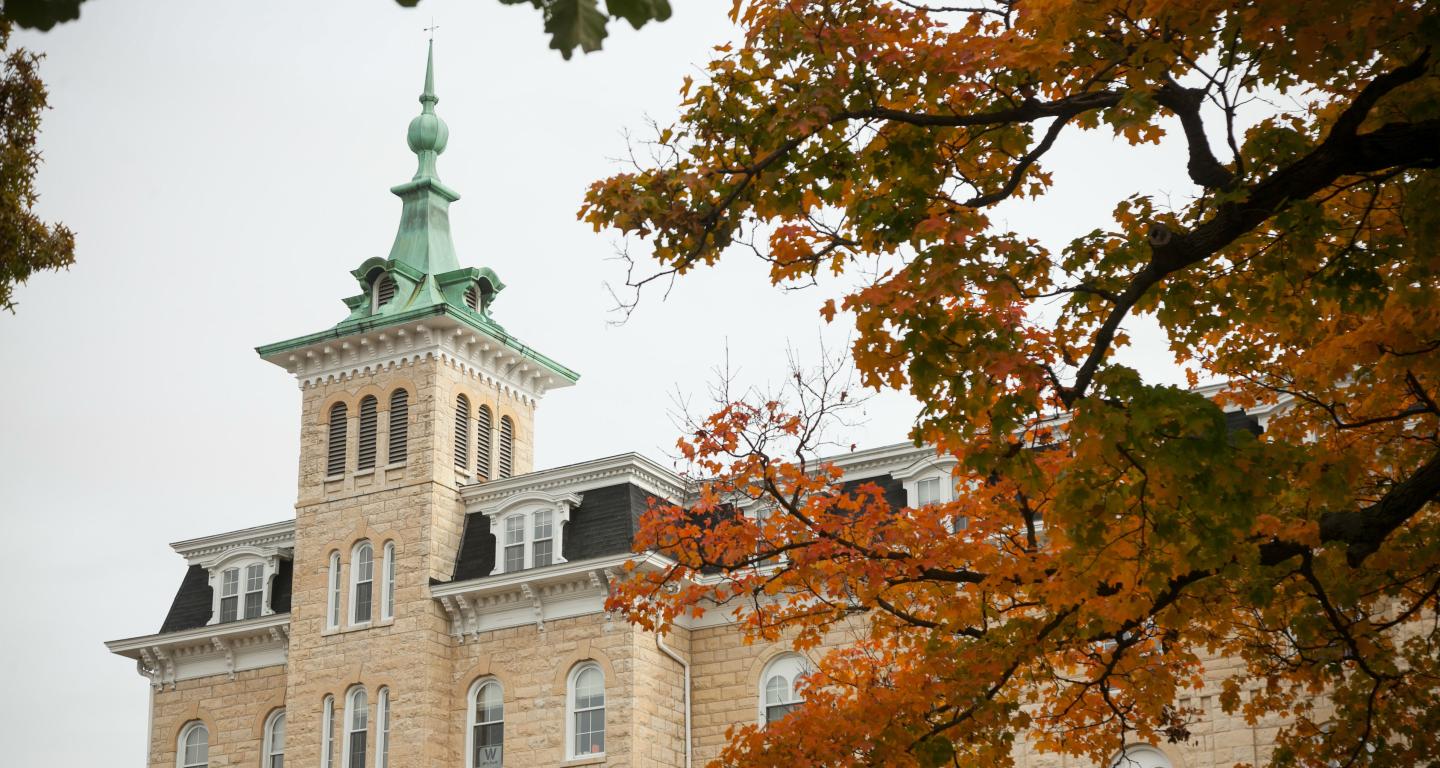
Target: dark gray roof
(191, 607)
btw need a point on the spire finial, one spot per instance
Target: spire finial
(428, 133)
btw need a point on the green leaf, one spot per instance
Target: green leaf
(637, 12)
(41, 14)
(574, 23)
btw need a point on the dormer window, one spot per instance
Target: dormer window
(382, 290)
(932, 490)
(240, 581)
(529, 530)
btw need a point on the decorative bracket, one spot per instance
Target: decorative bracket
(456, 628)
(534, 598)
(469, 618)
(225, 648)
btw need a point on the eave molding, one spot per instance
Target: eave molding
(220, 649)
(630, 468)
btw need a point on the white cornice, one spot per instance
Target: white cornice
(272, 536)
(221, 649)
(434, 338)
(577, 478)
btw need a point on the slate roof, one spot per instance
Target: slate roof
(191, 607)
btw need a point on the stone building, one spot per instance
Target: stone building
(436, 600)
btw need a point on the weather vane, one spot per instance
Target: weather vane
(431, 29)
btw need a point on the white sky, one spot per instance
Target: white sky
(224, 166)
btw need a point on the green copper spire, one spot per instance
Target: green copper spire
(423, 241)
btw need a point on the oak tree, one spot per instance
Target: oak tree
(1112, 536)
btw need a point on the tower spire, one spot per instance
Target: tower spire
(423, 241)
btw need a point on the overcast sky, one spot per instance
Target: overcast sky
(224, 165)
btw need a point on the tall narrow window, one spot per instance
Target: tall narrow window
(362, 569)
(254, 589)
(230, 594)
(369, 432)
(544, 540)
(382, 729)
(399, 426)
(507, 447)
(483, 426)
(387, 582)
(357, 727)
(332, 615)
(587, 711)
(382, 292)
(327, 733)
(462, 433)
(487, 724)
(274, 748)
(779, 692)
(514, 543)
(335, 461)
(193, 750)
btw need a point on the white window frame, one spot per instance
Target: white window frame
(571, 690)
(191, 727)
(269, 751)
(387, 582)
(382, 728)
(789, 667)
(1142, 756)
(351, 710)
(241, 560)
(332, 602)
(327, 735)
(356, 581)
(525, 506)
(939, 468)
(472, 718)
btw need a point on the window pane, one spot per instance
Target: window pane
(489, 704)
(489, 743)
(542, 553)
(230, 582)
(229, 607)
(590, 732)
(514, 558)
(252, 604)
(362, 602)
(777, 711)
(357, 749)
(589, 689)
(255, 578)
(542, 525)
(364, 563)
(514, 529)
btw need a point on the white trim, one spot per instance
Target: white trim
(348, 724)
(267, 750)
(472, 717)
(382, 728)
(327, 736)
(355, 581)
(571, 692)
(279, 535)
(525, 506)
(795, 666)
(387, 581)
(630, 468)
(332, 592)
(219, 649)
(184, 736)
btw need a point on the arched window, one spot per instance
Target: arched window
(462, 433)
(399, 426)
(382, 730)
(1141, 756)
(779, 689)
(586, 708)
(193, 749)
(274, 749)
(507, 447)
(362, 582)
(357, 727)
(369, 433)
(382, 290)
(332, 613)
(387, 582)
(327, 733)
(487, 724)
(335, 460)
(483, 427)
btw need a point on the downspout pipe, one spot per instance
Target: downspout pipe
(665, 649)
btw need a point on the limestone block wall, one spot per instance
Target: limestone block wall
(234, 712)
(644, 714)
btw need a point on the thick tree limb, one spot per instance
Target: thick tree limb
(1204, 169)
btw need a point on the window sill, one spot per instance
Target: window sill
(334, 478)
(357, 627)
(586, 760)
(365, 472)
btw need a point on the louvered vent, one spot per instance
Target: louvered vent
(462, 433)
(335, 461)
(472, 297)
(365, 456)
(384, 290)
(399, 425)
(507, 446)
(482, 442)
